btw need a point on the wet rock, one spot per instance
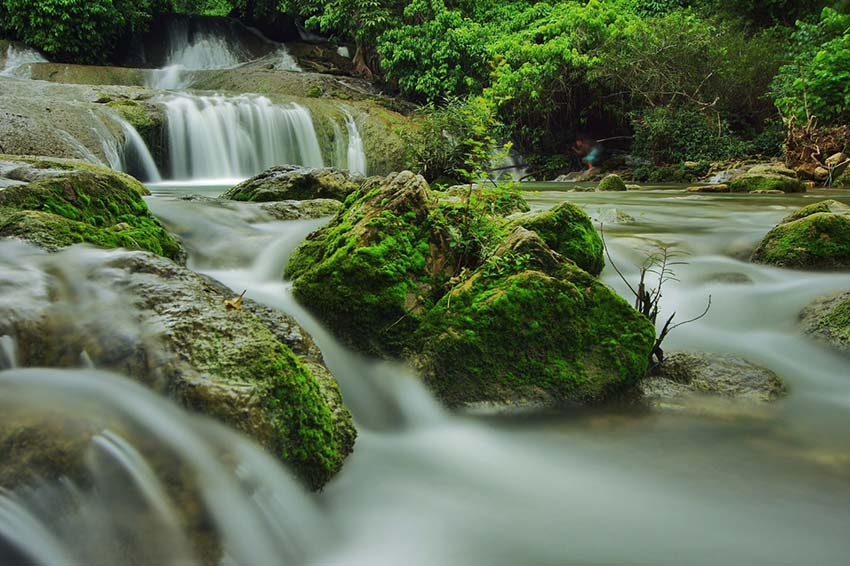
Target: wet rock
(510, 321)
(766, 192)
(65, 202)
(718, 188)
(301, 209)
(291, 182)
(828, 320)
(251, 368)
(814, 237)
(685, 376)
(767, 177)
(611, 182)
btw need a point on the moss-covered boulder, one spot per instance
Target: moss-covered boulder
(828, 319)
(291, 182)
(402, 272)
(611, 182)
(169, 328)
(767, 178)
(530, 327)
(814, 237)
(569, 231)
(372, 271)
(57, 203)
(497, 202)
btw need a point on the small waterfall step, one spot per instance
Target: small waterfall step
(219, 137)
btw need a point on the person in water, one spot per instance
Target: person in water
(589, 150)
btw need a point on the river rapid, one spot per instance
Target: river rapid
(714, 483)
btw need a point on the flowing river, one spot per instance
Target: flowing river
(716, 483)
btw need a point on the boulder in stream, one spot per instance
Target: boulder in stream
(169, 328)
(828, 320)
(767, 177)
(291, 182)
(815, 237)
(486, 308)
(687, 376)
(59, 202)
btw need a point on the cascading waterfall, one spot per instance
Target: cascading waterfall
(193, 51)
(136, 159)
(18, 57)
(217, 137)
(356, 154)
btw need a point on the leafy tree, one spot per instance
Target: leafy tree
(78, 30)
(816, 83)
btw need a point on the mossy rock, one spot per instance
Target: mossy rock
(568, 230)
(814, 237)
(531, 327)
(390, 277)
(611, 182)
(767, 178)
(828, 320)
(291, 182)
(68, 203)
(371, 272)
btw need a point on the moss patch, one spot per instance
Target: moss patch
(569, 231)
(84, 206)
(750, 182)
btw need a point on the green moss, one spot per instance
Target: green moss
(567, 335)
(611, 183)
(302, 420)
(837, 320)
(569, 231)
(822, 206)
(756, 182)
(313, 91)
(818, 240)
(84, 206)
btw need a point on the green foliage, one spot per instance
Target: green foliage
(455, 140)
(669, 135)
(437, 52)
(76, 30)
(816, 82)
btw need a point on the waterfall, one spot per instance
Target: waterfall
(136, 159)
(217, 137)
(340, 147)
(18, 57)
(356, 155)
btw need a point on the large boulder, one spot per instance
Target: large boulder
(485, 307)
(169, 328)
(58, 202)
(814, 237)
(291, 182)
(530, 327)
(767, 178)
(828, 320)
(611, 182)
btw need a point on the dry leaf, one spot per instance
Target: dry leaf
(236, 302)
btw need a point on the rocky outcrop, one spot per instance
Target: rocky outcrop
(291, 182)
(170, 329)
(718, 188)
(767, 177)
(814, 237)
(828, 320)
(484, 307)
(687, 376)
(56, 203)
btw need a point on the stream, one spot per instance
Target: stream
(719, 483)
